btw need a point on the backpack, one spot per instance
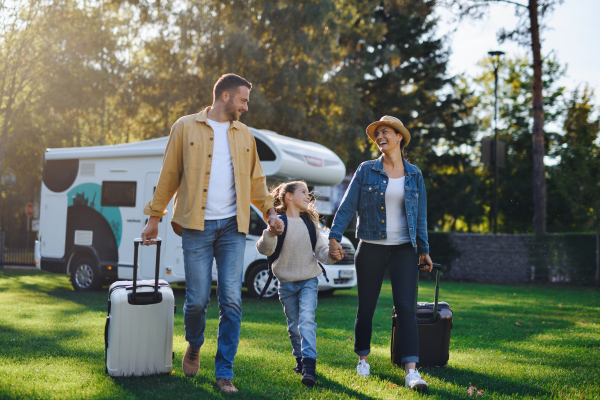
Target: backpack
(312, 232)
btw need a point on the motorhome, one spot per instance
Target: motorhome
(92, 201)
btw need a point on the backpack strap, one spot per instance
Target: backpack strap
(271, 259)
(312, 232)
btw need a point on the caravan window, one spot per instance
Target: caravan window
(118, 194)
(264, 152)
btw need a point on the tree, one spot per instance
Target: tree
(578, 173)
(400, 69)
(23, 52)
(527, 33)
(515, 192)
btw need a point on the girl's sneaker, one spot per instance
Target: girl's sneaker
(414, 381)
(363, 369)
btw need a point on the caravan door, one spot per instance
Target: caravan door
(147, 262)
(53, 229)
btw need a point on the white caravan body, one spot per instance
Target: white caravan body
(92, 202)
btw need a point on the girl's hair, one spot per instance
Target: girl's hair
(279, 195)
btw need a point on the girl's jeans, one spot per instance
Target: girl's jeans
(371, 261)
(299, 301)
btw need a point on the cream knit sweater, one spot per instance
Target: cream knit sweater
(296, 262)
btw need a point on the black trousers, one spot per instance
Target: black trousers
(371, 261)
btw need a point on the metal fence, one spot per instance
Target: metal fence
(16, 248)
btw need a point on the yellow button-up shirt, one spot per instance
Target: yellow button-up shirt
(186, 171)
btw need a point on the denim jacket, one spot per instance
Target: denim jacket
(366, 195)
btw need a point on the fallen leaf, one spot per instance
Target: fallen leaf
(348, 339)
(471, 389)
(518, 324)
(480, 393)
(559, 305)
(392, 385)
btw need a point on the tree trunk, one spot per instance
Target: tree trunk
(537, 137)
(597, 256)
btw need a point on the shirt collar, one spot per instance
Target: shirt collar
(408, 168)
(203, 116)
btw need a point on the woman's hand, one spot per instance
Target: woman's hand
(425, 259)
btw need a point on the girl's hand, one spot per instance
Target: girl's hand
(425, 259)
(334, 248)
(337, 255)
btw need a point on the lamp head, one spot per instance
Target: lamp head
(496, 53)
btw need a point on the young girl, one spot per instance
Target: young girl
(297, 270)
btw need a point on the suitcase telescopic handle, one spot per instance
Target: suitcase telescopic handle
(136, 243)
(437, 267)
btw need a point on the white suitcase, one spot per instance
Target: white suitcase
(138, 335)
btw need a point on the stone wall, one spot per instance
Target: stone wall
(502, 258)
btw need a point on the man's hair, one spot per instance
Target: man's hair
(227, 83)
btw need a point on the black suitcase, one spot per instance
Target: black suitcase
(434, 321)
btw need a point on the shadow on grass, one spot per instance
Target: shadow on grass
(491, 384)
(167, 386)
(21, 344)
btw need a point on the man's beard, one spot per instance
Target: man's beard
(231, 111)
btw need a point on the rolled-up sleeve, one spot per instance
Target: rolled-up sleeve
(170, 174)
(259, 195)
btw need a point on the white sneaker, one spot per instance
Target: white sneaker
(363, 369)
(414, 381)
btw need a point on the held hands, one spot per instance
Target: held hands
(425, 259)
(336, 252)
(276, 225)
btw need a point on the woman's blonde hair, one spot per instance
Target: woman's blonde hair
(279, 195)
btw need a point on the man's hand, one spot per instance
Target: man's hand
(425, 259)
(336, 251)
(276, 225)
(150, 231)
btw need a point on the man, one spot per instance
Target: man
(212, 164)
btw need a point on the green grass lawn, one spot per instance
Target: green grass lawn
(517, 342)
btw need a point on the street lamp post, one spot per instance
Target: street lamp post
(496, 60)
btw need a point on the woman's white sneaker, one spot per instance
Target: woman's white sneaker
(414, 381)
(363, 369)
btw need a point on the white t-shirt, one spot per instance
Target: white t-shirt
(395, 211)
(221, 196)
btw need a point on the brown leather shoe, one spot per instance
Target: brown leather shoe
(191, 362)
(226, 386)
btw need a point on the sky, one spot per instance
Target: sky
(574, 37)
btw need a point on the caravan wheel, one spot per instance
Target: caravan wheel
(84, 275)
(256, 280)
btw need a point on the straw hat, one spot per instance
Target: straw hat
(393, 123)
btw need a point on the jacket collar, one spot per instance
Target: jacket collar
(202, 116)
(409, 169)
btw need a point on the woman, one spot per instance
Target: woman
(389, 195)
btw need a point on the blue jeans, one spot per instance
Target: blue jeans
(299, 301)
(221, 240)
(371, 261)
